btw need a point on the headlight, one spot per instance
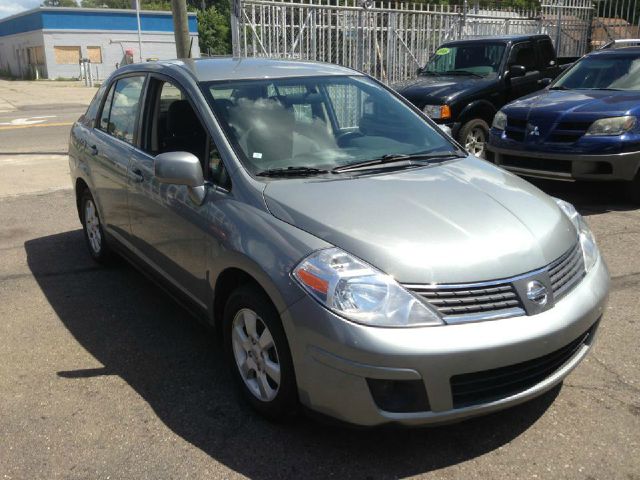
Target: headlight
(437, 112)
(612, 126)
(587, 242)
(499, 121)
(359, 292)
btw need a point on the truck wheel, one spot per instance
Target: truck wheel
(474, 135)
(258, 353)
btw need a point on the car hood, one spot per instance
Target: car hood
(556, 103)
(461, 221)
(440, 88)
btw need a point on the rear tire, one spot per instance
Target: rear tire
(92, 227)
(258, 353)
(474, 136)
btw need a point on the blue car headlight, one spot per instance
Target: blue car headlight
(612, 126)
(499, 121)
(588, 245)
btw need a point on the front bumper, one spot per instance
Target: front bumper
(562, 166)
(334, 358)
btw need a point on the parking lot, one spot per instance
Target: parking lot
(104, 376)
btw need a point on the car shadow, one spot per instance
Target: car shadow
(140, 334)
(590, 198)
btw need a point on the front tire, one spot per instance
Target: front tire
(474, 136)
(258, 353)
(93, 233)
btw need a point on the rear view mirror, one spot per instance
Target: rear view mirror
(181, 168)
(517, 71)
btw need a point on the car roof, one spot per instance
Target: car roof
(500, 38)
(230, 68)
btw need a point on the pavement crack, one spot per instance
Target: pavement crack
(77, 271)
(617, 377)
(622, 282)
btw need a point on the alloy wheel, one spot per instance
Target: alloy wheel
(475, 141)
(255, 354)
(92, 225)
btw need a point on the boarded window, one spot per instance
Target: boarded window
(67, 55)
(94, 54)
(35, 55)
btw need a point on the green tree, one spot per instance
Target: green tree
(59, 3)
(106, 3)
(214, 32)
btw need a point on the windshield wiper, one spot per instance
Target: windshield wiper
(396, 158)
(462, 72)
(291, 172)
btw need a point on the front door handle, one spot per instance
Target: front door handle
(136, 175)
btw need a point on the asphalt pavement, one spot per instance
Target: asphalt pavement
(103, 376)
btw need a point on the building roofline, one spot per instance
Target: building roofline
(89, 10)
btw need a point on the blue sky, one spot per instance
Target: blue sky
(11, 7)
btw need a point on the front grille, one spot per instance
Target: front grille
(470, 300)
(499, 299)
(566, 272)
(568, 132)
(515, 129)
(540, 164)
(490, 385)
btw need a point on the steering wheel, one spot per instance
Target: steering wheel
(345, 137)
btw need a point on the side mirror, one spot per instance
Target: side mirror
(181, 168)
(517, 71)
(418, 70)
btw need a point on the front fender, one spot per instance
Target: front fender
(483, 109)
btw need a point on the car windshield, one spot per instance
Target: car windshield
(319, 122)
(474, 58)
(615, 72)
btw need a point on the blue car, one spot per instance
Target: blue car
(584, 126)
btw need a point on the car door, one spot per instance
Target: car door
(168, 228)
(523, 54)
(110, 147)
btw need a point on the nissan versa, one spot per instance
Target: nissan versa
(355, 259)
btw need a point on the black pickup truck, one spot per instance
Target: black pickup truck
(466, 82)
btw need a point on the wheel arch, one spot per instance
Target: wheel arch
(233, 277)
(482, 109)
(80, 187)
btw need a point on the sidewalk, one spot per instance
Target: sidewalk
(16, 94)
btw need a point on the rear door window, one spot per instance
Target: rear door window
(523, 54)
(546, 53)
(121, 108)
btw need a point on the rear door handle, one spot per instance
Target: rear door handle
(136, 175)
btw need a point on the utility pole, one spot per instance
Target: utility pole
(181, 27)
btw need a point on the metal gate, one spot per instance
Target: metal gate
(391, 40)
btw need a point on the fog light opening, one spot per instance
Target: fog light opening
(399, 396)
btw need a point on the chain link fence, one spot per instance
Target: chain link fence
(390, 40)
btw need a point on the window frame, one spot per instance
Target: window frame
(137, 122)
(525, 44)
(145, 128)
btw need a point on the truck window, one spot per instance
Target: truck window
(546, 53)
(523, 54)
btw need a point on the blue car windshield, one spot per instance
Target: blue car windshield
(610, 72)
(319, 122)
